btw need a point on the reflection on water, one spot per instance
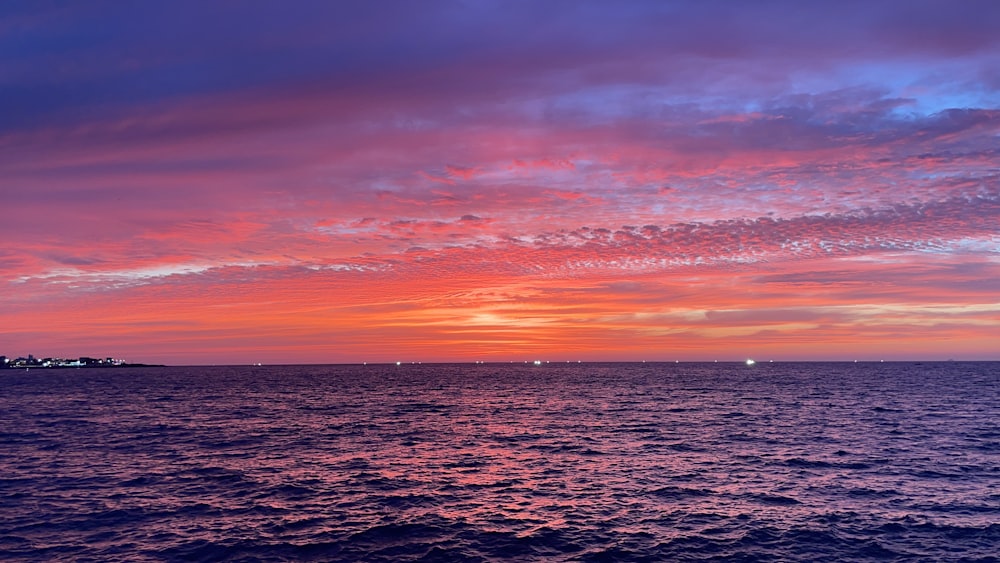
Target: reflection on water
(487, 462)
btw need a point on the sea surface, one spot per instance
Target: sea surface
(495, 462)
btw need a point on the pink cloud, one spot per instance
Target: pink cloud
(606, 178)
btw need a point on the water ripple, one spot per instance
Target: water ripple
(598, 462)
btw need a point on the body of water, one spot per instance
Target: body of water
(563, 462)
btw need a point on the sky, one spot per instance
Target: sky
(227, 182)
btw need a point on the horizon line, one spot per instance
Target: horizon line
(575, 362)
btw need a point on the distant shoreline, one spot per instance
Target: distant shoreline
(31, 362)
(99, 366)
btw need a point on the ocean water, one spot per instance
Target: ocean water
(495, 462)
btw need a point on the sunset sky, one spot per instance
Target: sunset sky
(192, 182)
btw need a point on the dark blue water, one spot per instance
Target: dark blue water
(581, 462)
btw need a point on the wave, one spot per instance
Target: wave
(447, 463)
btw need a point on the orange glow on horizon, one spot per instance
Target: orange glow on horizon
(605, 191)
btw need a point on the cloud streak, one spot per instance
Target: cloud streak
(650, 180)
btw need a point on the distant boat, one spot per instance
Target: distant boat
(750, 362)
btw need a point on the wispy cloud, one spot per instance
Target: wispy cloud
(487, 179)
